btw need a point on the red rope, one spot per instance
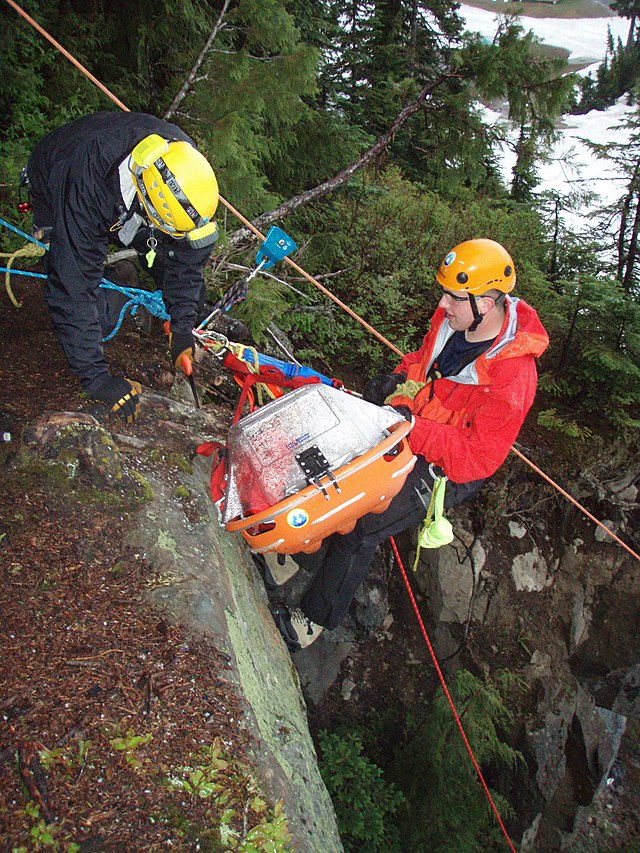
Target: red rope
(299, 269)
(448, 695)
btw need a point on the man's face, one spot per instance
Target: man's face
(457, 309)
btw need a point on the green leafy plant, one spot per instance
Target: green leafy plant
(128, 746)
(43, 835)
(364, 802)
(214, 776)
(444, 795)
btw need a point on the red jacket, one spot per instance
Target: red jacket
(467, 423)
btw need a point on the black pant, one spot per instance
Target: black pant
(348, 557)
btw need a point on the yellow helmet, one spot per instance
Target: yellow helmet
(177, 188)
(477, 266)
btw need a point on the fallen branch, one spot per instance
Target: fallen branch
(343, 176)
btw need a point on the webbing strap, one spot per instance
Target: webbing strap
(218, 467)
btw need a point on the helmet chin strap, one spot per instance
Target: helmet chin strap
(477, 316)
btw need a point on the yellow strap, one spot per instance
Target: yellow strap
(261, 387)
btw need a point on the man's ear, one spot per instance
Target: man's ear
(485, 304)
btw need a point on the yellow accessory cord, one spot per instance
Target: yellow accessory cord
(436, 530)
(30, 250)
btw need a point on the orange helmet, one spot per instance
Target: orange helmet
(476, 266)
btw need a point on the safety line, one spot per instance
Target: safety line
(295, 266)
(381, 338)
(66, 53)
(443, 683)
(575, 503)
(314, 281)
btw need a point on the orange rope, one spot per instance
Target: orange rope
(575, 502)
(305, 274)
(448, 695)
(314, 281)
(68, 55)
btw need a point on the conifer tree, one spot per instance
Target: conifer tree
(536, 88)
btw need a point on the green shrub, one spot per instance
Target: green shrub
(365, 804)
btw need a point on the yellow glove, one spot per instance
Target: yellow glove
(407, 389)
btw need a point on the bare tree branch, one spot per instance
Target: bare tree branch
(192, 74)
(342, 177)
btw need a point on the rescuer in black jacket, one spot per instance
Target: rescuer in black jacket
(135, 180)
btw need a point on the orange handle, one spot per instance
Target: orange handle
(186, 364)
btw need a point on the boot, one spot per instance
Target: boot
(298, 631)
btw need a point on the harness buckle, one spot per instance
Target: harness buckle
(315, 466)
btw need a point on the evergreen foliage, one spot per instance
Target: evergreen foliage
(435, 795)
(536, 89)
(616, 76)
(365, 804)
(445, 798)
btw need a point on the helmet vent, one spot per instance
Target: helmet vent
(462, 278)
(507, 271)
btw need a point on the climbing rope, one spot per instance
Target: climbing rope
(384, 340)
(575, 503)
(443, 684)
(136, 298)
(295, 266)
(30, 250)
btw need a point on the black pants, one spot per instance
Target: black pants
(348, 557)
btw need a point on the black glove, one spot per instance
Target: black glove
(180, 344)
(378, 389)
(405, 411)
(121, 396)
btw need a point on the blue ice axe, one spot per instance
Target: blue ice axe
(277, 245)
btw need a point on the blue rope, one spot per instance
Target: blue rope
(153, 302)
(22, 234)
(23, 272)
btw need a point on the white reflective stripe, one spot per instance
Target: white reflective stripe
(268, 547)
(339, 508)
(127, 187)
(408, 467)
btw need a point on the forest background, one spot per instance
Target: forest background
(360, 128)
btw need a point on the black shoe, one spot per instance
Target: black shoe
(298, 631)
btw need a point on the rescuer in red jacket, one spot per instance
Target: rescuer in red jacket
(467, 391)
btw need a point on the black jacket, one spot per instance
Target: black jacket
(75, 189)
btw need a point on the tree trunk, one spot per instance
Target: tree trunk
(632, 252)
